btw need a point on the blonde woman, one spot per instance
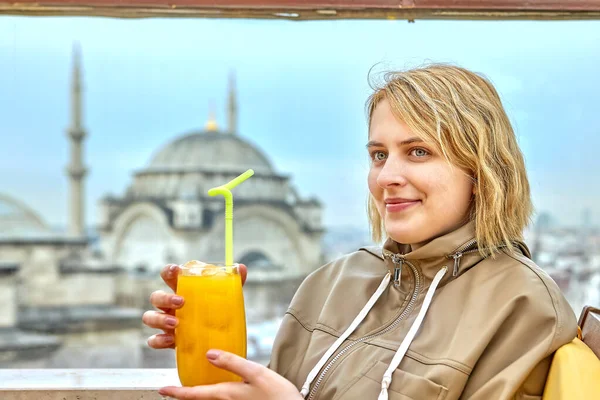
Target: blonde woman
(451, 307)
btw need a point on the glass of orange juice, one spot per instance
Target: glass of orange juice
(212, 317)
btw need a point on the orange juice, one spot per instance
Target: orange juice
(212, 317)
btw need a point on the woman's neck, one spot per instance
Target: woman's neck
(415, 246)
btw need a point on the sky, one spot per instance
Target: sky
(301, 87)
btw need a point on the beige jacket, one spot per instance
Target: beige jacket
(489, 332)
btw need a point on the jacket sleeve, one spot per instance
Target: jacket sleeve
(293, 335)
(295, 331)
(288, 344)
(516, 361)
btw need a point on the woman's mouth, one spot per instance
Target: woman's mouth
(397, 204)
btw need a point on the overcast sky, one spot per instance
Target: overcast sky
(302, 88)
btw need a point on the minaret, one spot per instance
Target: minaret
(232, 106)
(76, 171)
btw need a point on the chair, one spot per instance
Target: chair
(575, 370)
(589, 323)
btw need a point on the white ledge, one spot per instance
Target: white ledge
(85, 384)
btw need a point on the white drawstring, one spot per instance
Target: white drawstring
(359, 318)
(387, 377)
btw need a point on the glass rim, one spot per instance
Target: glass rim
(208, 264)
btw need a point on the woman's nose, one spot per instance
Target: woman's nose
(392, 174)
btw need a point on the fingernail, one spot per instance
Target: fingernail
(168, 339)
(213, 354)
(171, 271)
(177, 300)
(150, 339)
(171, 321)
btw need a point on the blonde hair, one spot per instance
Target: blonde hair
(461, 113)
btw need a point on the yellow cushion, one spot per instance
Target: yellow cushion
(574, 373)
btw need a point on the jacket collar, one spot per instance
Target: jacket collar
(456, 250)
(442, 246)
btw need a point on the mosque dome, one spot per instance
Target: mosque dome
(209, 150)
(17, 220)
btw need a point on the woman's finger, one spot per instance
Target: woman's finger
(247, 370)
(169, 274)
(163, 300)
(159, 320)
(162, 341)
(227, 390)
(243, 272)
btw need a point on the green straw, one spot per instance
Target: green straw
(225, 190)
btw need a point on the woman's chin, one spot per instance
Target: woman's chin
(405, 233)
(404, 237)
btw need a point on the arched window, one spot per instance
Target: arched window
(257, 259)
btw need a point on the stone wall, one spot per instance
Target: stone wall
(104, 349)
(135, 290)
(8, 299)
(82, 289)
(39, 281)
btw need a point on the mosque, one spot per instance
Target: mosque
(74, 302)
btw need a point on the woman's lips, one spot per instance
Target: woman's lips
(397, 206)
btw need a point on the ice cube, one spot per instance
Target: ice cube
(210, 270)
(194, 264)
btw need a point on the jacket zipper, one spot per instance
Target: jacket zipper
(458, 253)
(398, 261)
(466, 248)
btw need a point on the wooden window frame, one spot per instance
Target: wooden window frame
(312, 10)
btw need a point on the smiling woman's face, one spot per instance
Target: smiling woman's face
(418, 194)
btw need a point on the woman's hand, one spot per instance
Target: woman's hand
(259, 382)
(167, 303)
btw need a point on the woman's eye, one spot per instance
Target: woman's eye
(379, 156)
(419, 152)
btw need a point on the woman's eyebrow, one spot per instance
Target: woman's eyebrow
(373, 143)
